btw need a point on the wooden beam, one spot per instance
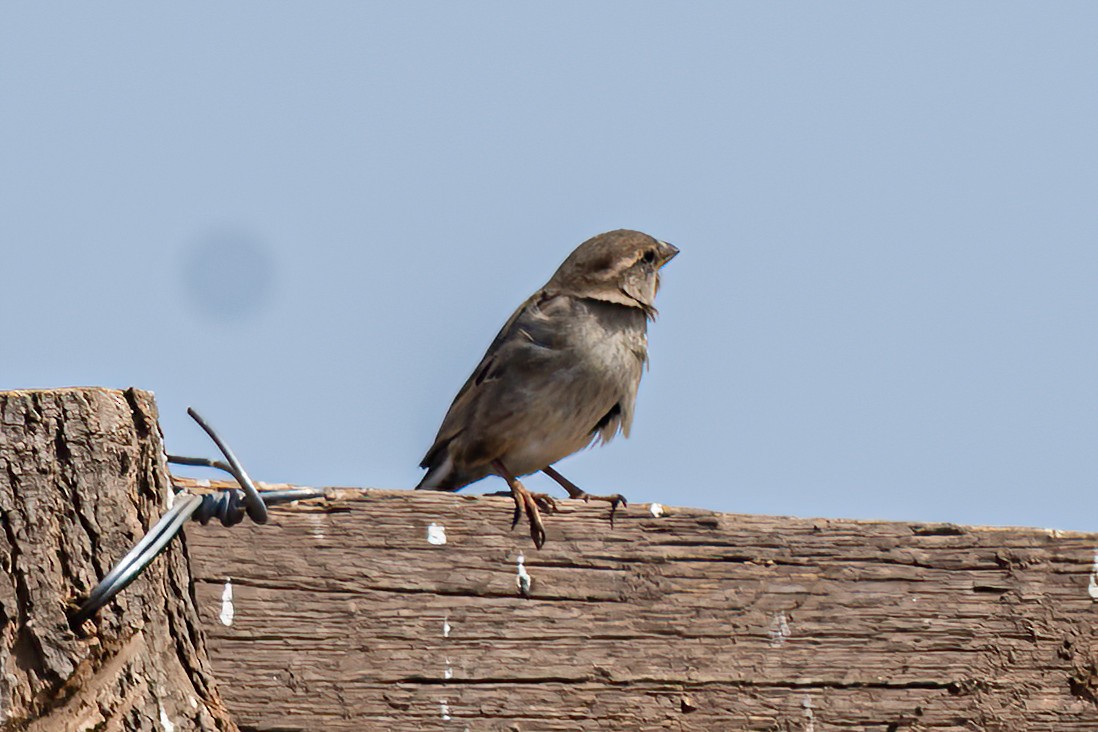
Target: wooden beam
(404, 610)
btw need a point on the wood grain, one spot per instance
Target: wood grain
(348, 618)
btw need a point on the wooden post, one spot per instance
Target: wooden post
(82, 476)
(403, 610)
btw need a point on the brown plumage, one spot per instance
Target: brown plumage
(562, 372)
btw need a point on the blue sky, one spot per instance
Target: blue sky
(309, 220)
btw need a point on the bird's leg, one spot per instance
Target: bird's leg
(574, 491)
(525, 502)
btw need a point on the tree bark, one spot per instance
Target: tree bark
(402, 610)
(82, 477)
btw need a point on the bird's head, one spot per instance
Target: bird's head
(620, 266)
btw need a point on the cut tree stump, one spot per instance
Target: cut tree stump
(82, 477)
(404, 610)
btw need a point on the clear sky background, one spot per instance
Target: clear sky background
(308, 220)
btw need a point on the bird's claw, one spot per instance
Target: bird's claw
(537, 531)
(537, 528)
(616, 500)
(526, 502)
(545, 502)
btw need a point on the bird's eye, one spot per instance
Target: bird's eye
(649, 256)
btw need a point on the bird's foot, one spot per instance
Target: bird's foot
(577, 493)
(527, 502)
(614, 499)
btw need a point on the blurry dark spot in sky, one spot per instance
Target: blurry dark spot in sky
(227, 274)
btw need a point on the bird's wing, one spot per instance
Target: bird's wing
(528, 335)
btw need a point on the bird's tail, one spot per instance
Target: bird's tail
(439, 472)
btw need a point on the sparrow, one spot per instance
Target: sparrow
(562, 374)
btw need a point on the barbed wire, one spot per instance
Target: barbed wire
(229, 506)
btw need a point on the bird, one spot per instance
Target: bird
(561, 375)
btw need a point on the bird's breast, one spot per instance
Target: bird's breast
(610, 339)
(594, 364)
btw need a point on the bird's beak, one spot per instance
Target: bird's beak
(667, 252)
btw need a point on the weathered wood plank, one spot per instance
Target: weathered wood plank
(347, 617)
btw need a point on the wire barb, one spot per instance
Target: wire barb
(257, 510)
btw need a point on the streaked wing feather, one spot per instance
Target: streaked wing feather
(534, 327)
